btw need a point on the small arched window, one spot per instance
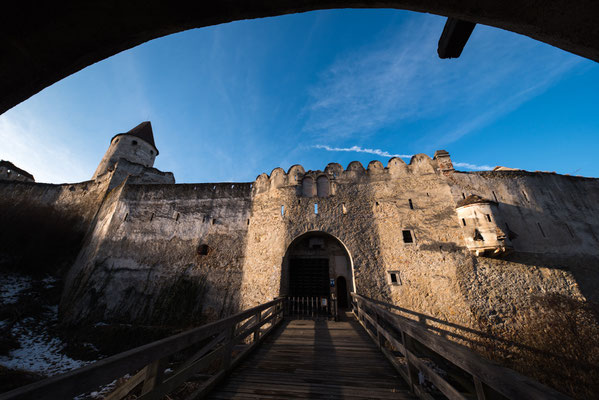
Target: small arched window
(323, 186)
(308, 188)
(134, 143)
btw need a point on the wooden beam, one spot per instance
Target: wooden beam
(454, 37)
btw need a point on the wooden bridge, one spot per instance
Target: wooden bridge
(265, 353)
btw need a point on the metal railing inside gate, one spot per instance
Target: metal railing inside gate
(311, 307)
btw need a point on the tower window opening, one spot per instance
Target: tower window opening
(407, 236)
(203, 249)
(248, 221)
(464, 221)
(134, 143)
(177, 217)
(282, 211)
(394, 276)
(488, 217)
(494, 196)
(152, 217)
(343, 208)
(126, 216)
(213, 221)
(411, 204)
(478, 236)
(463, 196)
(541, 229)
(315, 208)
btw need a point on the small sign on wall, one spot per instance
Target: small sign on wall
(332, 283)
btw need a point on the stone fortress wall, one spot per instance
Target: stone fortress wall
(477, 256)
(226, 243)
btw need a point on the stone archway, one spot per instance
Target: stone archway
(48, 42)
(312, 265)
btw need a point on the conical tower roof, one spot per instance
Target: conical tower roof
(144, 132)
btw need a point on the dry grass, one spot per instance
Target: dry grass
(555, 341)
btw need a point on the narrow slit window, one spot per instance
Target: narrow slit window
(494, 196)
(343, 208)
(407, 236)
(464, 221)
(177, 217)
(541, 229)
(213, 221)
(411, 204)
(152, 217)
(569, 230)
(463, 196)
(525, 196)
(315, 208)
(126, 216)
(282, 211)
(248, 221)
(488, 217)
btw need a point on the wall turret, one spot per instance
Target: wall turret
(136, 146)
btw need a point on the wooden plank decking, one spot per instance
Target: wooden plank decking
(315, 360)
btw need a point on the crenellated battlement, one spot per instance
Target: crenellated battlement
(420, 164)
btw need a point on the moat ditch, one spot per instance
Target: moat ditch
(33, 343)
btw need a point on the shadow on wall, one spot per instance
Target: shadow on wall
(555, 341)
(37, 238)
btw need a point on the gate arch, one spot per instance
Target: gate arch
(312, 262)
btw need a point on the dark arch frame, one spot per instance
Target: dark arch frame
(350, 280)
(48, 41)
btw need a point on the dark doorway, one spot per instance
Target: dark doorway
(342, 292)
(309, 277)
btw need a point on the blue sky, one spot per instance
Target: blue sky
(232, 101)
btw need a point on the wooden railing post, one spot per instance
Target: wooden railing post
(154, 374)
(228, 348)
(258, 319)
(412, 371)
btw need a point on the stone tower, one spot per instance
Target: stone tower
(136, 146)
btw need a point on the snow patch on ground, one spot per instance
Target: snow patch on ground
(12, 286)
(39, 352)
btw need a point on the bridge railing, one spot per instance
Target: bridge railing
(206, 354)
(311, 307)
(450, 369)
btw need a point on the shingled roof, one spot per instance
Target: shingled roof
(12, 167)
(142, 131)
(473, 199)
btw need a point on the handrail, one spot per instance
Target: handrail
(151, 359)
(419, 347)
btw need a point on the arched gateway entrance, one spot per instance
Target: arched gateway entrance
(314, 264)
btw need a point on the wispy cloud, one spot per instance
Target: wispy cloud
(383, 153)
(401, 80)
(47, 158)
(358, 149)
(472, 167)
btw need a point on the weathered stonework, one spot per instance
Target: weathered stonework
(421, 236)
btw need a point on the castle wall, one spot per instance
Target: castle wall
(162, 254)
